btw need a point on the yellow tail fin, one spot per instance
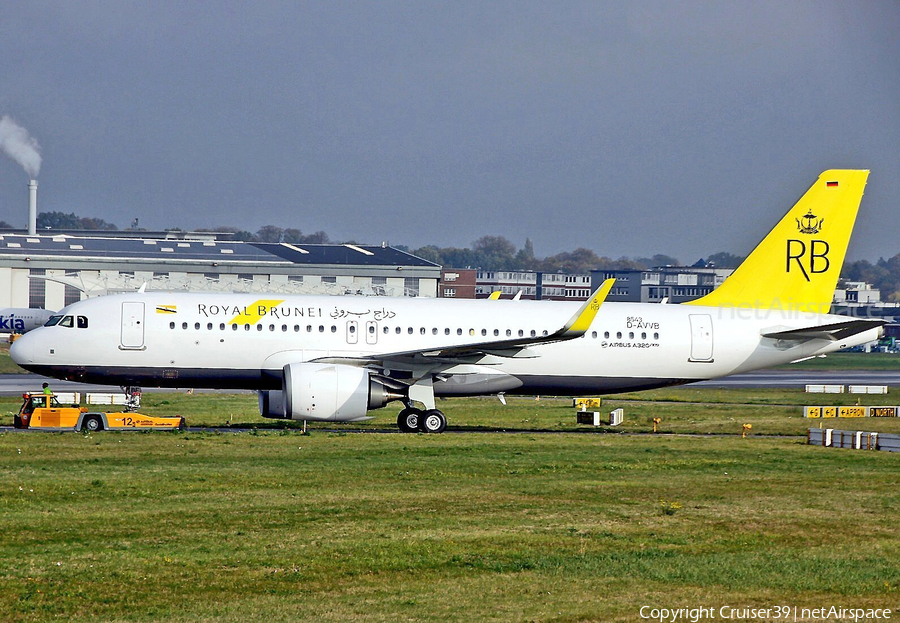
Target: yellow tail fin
(797, 265)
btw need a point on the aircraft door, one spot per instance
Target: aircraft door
(132, 326)
(701, 337)
(371, 332)
(352, 332)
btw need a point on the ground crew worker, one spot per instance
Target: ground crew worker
(47, 393)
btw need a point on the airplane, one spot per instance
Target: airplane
(22, 319)
(335, 358)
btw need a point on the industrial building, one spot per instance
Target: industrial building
(457, 283)
(53, 270)
(533, 285)
(675, 284)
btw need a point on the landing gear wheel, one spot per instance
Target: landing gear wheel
(92, 424)
(408, 420)
(433, 421)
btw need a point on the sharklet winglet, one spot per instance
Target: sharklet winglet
(578, 324)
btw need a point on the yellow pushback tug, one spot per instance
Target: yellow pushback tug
(44, 412)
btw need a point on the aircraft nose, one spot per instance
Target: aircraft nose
(22, 350)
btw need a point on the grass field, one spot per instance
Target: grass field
(275, 525)
(682, 410)
(279, 526)
(848, 361)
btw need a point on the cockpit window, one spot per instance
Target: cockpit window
(82, 322)
(53, 321)
(67, 321)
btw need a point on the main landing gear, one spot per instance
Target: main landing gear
(412, 420)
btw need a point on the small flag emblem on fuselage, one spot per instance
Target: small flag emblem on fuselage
(166, 309)
(830, 184)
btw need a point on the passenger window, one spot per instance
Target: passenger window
(82, 322)
(410, 330)
(184, 325)
(386, 331)
(434, 331)
(521, 333)
(246, 327)
(271, 327)
(422, 331)
(447, 331)
(643, 336)
(171, 325)
(593, 334)
(68, 321)
(484, 332)
(284, 327)
(259, 327)
(397, 331)
(656, 336)
(618, 335)
(221, 326)
(544, 332)
(534, 333)
(196, 326)
(321, 328)
(496, 332)
(234, 327)
(508, 332)
(459, 332)
(606, 335)
(209, 326)
(472, 332)
(333, 329)
(631, 335)
(352, 329)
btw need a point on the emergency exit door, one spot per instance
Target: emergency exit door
(371, 332)
(132, 326)
(701, 337)
(352, 332)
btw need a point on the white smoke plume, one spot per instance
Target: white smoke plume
(16, 143)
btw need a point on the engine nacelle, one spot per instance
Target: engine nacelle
(325, 392)
(271, 404)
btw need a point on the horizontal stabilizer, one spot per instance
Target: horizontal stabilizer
(833, 332)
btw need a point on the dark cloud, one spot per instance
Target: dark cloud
(630, 129)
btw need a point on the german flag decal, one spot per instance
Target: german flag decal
(166, 309)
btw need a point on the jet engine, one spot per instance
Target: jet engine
(326, 392)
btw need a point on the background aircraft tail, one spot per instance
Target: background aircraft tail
(797, 265)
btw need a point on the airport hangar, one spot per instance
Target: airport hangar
(55, 269)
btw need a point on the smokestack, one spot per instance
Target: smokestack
(32, 207)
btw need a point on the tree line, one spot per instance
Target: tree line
(499, 253)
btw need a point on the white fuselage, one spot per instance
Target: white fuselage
(243, 341)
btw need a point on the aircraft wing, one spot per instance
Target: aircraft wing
(445, 356)
(832, 332)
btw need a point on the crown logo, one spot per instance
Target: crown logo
(808, 224)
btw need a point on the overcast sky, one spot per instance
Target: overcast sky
(629, 128)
